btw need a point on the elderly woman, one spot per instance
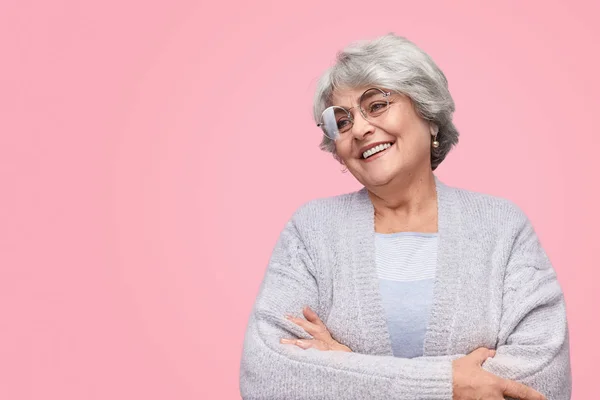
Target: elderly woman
(407, 288)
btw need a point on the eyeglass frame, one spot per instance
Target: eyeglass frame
(362, 112)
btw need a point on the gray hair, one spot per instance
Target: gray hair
(395, 63)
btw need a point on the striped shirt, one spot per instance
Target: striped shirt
(406, 264)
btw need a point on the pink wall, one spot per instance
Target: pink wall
(138, 141)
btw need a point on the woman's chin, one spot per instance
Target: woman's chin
(379, 173)
(379, 178)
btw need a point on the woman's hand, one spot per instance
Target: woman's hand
(470, 381)
(317, 329)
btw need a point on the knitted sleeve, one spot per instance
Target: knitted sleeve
(271, 370)
(533, 342)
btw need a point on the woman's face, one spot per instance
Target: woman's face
(409, 134)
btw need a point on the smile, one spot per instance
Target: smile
(376, 151)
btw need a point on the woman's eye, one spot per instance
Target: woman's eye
(377, 106)
(342, 123)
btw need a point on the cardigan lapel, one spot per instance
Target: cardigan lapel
(376, 339)
(447, 278)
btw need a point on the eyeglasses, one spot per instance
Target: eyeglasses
(336, 120)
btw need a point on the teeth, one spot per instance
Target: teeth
(376, 149)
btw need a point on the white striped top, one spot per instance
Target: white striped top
(406, 265)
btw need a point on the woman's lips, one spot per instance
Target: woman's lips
(377, 155)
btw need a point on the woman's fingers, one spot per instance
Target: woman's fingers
(307, 343)
(313, 324)
(312, 316)
(304, 324)
(520, 391)
(481, 354)
(471, 381)
(317, 329)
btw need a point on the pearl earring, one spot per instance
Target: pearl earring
(434, 131)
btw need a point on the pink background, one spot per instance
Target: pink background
(151, 153)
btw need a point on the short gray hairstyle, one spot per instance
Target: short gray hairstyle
(395, 63)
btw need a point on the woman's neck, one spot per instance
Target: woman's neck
(410, 205)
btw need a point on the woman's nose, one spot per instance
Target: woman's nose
(361, 126)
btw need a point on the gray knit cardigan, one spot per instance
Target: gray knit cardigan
(495, 287)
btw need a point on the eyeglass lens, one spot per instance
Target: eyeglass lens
(336, 120)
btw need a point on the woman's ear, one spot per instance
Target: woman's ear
(433, 128)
